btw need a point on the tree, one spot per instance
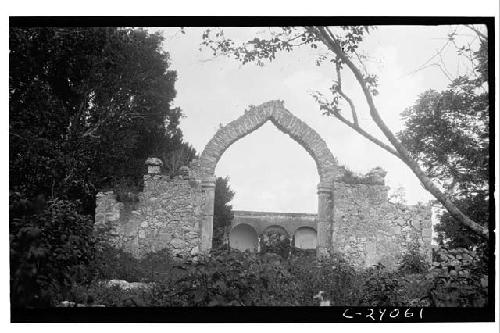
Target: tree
(174, 159)
(87, 106)
(448, 132)
(339, 46)
(223, 211)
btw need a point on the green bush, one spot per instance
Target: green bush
(456, 291)
(50, 248)
(275, 241)
(115, 264)
(334, 276)
(461, 283)
(97, 293)
(234, 278)
(381, 287)
(230, 279)
(413, 262)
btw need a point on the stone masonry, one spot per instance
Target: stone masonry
(284, 120)
(260, 221)
(368, 229)
(166, 216)
(354, 216)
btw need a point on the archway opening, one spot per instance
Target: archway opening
(270, 172)
(243, 237)
(275, 239)
(296, 129)
(305, 238)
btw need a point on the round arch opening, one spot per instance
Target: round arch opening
(275, 239)
(243, 237)
(276, 229)
(305, 238)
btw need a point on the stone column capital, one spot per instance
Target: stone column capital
(324, 188)
(208, 182)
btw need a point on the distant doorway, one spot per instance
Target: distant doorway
(275, 239)
(243, 237)
(305, 238)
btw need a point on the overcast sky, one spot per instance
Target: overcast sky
(267, 169)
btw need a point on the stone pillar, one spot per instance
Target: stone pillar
(207, 222)
(324, 210)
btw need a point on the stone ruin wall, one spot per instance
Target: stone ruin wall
(368, 229)
(355, 219)
(167, 215)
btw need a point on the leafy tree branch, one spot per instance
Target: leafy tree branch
(343, 45)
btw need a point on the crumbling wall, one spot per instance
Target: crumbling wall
(167, 215)
(354, 216)
(172, 213)
(457, 262)
(368, 229)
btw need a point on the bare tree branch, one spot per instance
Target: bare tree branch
(367, 135)
(344, 96)
(428, 62)
(479, 33)
(331, 42)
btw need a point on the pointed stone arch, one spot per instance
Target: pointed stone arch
(286, 122)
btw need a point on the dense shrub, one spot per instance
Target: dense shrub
(226, 278)
(459, 291)
(413, 262)
(460, 277)
(80, 119)
(381, 287)
(97, 293)
(233, 278)
(338, 281)
(127, 189)
(115, 264)
(275, 241)
(51, 245)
